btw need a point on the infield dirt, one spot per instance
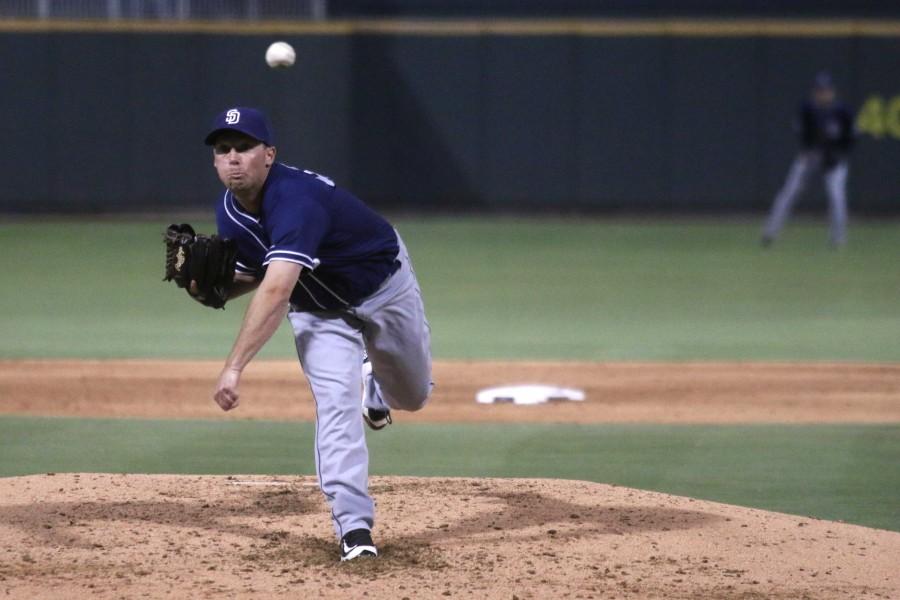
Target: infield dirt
(616, 392)
(140, 536)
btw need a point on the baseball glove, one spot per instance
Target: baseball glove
(206, 259)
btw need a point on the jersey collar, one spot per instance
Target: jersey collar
(236, 206)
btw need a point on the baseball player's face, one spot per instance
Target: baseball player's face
(823, 96)
(242, 162)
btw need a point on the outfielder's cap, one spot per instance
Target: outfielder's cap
(248, 121)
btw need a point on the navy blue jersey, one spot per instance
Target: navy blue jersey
(827, 128)
(346, 249)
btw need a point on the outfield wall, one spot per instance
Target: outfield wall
(607, 8)
(497, 115)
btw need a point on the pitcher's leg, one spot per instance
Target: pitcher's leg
(399, 348)
(398, 340)
(784, 201)
(330, 352)
(836, 186)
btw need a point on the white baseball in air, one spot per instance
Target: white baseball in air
(280, 54)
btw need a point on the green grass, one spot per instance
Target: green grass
(507, 289)
(836, 472)
(495, 288)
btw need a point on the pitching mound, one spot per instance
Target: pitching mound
(113, 536)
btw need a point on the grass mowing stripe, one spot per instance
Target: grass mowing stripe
(496, 288)
(37, 445)
(838, 472)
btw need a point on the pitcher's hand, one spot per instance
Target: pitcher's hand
(227, 395)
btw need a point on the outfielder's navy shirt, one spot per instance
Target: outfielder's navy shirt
(346, 249)
(829, 128)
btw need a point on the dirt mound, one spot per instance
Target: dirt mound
(113, 536)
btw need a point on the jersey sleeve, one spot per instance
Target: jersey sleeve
(243, 266)
(297, 225)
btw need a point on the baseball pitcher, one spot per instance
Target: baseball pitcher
(315, 253)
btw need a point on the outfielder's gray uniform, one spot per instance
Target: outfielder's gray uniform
(826, 133)
(806, 167)
(390, 326)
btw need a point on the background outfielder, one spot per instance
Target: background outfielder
(826, 131)
(342, 275)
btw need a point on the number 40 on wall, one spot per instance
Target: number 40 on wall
(880, 117)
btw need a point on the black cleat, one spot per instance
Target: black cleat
(377, 419)
(357, 543)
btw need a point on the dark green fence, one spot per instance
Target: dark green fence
(572, 115)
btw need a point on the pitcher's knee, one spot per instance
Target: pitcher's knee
(421, 399)
(410, 398)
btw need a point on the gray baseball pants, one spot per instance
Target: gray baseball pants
(390, 326)
(805, 167)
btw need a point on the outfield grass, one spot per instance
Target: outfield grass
(496, 288)
(838, 472)
(499, 288)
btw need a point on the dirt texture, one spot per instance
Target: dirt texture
(115, 536)
(616, 392)
(140, 536)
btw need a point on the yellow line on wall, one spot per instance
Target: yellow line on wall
(478, 27)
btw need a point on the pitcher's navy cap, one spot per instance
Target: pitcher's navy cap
(248, 121)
